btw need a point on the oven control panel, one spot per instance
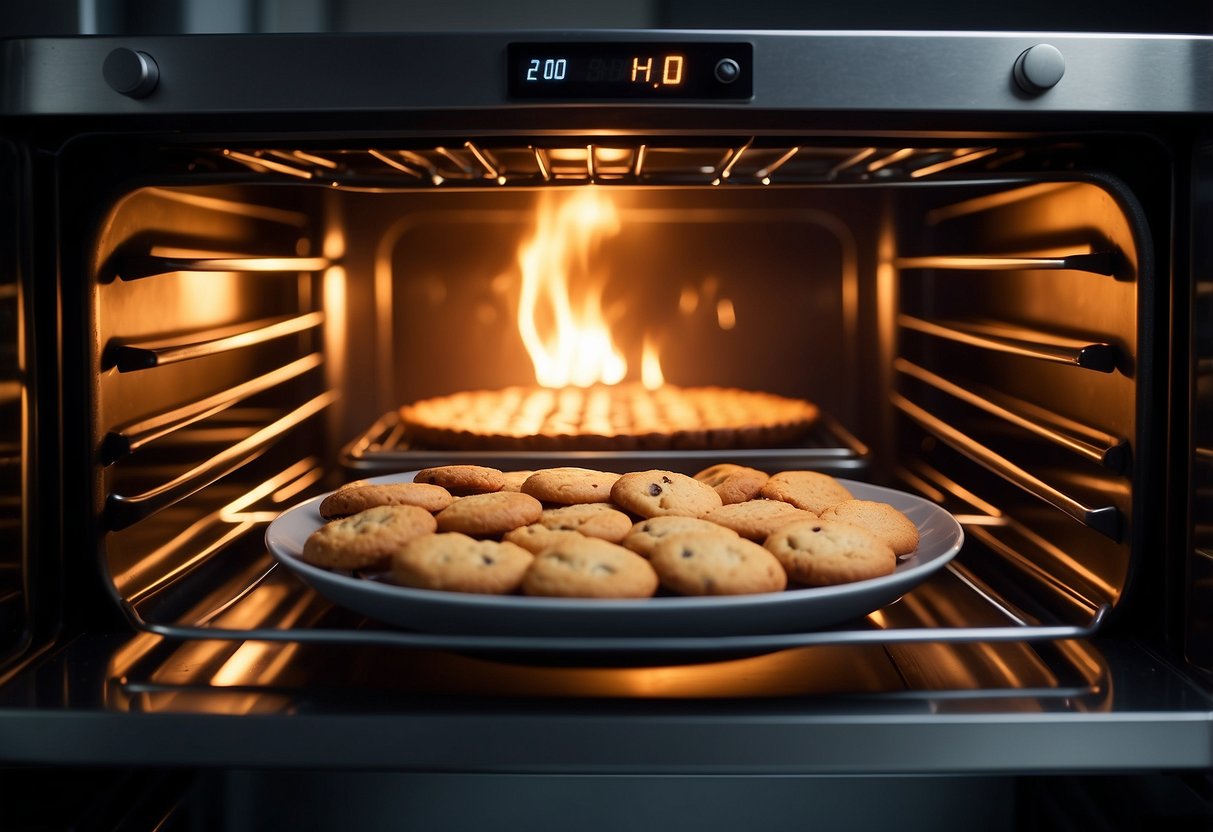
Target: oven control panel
(653, 70)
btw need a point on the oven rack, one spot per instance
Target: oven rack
(662, 649)
(462, 163)
(236, 591)
(384, 448)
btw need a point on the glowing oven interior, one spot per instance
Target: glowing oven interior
(257, 324)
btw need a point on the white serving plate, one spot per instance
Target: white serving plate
(791, 611)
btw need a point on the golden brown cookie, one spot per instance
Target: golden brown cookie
(514, 479)
(591, 519)
(368, 539)
(756, 519)
(656, 493)
(589, 568)
(486, 515)
(536, 537)
(828, 552)
(570, 486)
(882, 519)
(463, 479)
(645, 535)
(810, 490)
(457, 563)
(734, 483)
(714, 564)
(353, 499)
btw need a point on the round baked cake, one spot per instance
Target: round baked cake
(619, 417)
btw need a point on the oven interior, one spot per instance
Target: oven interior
(976, 320)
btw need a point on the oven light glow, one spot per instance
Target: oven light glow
(726, 316)
(688, 300)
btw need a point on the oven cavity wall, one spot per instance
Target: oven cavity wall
(1022, 324)
(206, 309)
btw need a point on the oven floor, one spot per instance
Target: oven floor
(903, 710)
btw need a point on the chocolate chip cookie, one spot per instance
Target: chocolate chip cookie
(645, 535)
(882, 519)
(355, 498)
(810, 490)
(714, 564)
(570, 486)
(455, 562)
(734, 483)
(486, 515)
(368, 539)
(589, 568)
(463, 479)
(655, 493)
(828, 552)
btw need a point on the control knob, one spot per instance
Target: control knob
(1039, 68)
(130, 72)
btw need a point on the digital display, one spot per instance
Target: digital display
(647, 70)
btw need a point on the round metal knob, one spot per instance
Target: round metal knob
(130, 72)
(1039, 68)
(727, 70)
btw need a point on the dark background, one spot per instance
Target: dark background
(59, 17)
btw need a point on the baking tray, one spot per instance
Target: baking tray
(384, 448)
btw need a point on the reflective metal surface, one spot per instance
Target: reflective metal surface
(885, 72)
(910, 709)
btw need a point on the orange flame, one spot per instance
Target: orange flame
(569, 343)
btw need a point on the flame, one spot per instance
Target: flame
(569, 342)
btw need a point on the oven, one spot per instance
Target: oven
(229, 261)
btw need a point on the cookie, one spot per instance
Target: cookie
(487, 515)
(828, 552)
(715, 564)
(463, 479)
(734, 483)
(810, 490)
(589, 568)
(757, 519)
(353, 499)
(656, 493)
(570, 486)
(591, 519)
(514, 480)
(645, 535)
(457, 563)
(882, 519)
(536, 537)
(368, 539)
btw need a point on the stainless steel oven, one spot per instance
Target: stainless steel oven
(230, 260)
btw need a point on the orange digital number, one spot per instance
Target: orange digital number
(637, 68)
(671, 70)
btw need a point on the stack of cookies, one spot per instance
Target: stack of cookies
(582, 533)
